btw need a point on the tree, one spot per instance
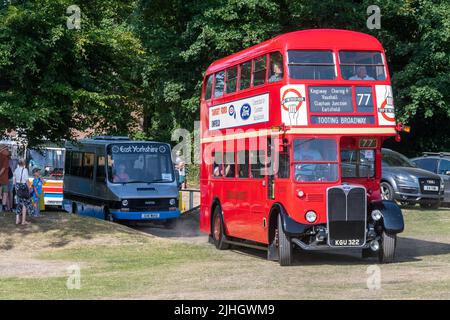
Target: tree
(54, 80)
(183, 37)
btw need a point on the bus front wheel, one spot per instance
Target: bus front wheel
(284, 245)
(108, 215)
(218, 230)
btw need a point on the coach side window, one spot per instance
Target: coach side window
(88, 165)
(259, 71)
(276, 67)
(101, 170)
(76, 164)
(231, 79)
(220, 83)
(208, 89)
(246, 69)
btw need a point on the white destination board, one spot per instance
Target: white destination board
(240, 112)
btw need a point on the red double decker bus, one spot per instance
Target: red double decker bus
(291, 135)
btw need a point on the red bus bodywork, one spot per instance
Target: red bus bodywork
(247, 203)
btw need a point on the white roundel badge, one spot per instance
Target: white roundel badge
(162, 149)
(115, 149)
(293, 105)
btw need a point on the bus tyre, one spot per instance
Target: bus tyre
(218, 230)
(74, 208)
(387, 248)
(284, 245)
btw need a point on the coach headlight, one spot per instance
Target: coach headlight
(376, 215)
(310, 216)
(124, 203)
(172, 202)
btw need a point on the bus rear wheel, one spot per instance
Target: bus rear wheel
(284, 245)
(218, 233)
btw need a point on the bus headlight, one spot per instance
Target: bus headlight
(124, 203)
(172, 202)
(376, 215)
(310, 216)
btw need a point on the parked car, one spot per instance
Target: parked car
(437, 162)
(402, 181)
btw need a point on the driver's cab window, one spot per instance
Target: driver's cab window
(315, 160)
(357, 163)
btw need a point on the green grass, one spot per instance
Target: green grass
(118, 262)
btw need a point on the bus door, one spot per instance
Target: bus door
(100, 185)
(258, 187)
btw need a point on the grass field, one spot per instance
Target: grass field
(119, 262)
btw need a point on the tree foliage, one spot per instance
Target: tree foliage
(54, 80)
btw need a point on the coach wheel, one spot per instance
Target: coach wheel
(108, 215)
(218, 233)
(284, 245)
(387, 192)
(387, 248)
(74, 208)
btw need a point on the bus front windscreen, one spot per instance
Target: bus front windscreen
(315, 160)
(49, 161)
(362, 65)
(140, 163)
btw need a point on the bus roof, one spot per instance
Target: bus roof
(320, 39)
(106, 141)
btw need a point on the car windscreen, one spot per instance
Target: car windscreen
(393, 159)
(362, 65)
(140, 163)
(311, 65)
(49, 161)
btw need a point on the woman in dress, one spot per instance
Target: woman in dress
(21, 183)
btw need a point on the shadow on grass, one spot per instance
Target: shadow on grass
(54, 229)
(408, 250)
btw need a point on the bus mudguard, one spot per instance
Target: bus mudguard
(392, 215)
(290, 226)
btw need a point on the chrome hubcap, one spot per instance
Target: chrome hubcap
(385, 194)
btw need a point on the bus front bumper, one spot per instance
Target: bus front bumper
(145, 215)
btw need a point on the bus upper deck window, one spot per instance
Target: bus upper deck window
(311, 65)
(231, 79)
(362, 65)
(220, 83)
(259, 71)
(208, 89)
(276, 67)
(246, 69)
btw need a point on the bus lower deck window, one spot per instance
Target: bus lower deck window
(242, 164)
(257, 163)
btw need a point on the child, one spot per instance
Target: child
(37, 191)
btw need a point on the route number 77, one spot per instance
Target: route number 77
(361, 96)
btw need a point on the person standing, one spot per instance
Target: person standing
(23, 193)
(182, 174)
(4, 180)
(38, 182)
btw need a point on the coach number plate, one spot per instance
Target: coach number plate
(150, 215)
